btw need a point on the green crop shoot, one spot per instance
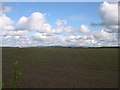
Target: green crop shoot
(16, 75)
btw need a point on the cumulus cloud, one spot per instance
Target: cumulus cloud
(103, 35)
(84, 29)
(109, 16)
(61, 23)
(17, 41)
(6, 23)
(36, 22)
(15, 38)
(80, 41)
(40, 36)
(45, 34)
(100, 38)
(61, 28)
(109, 13)
(4, 8)
(14, 33)
(44, 40)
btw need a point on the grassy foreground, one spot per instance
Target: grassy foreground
(62, 67)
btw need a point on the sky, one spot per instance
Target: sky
(59, 23)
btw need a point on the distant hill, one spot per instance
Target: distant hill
(60, 46)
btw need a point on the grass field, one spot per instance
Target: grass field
(62, 67)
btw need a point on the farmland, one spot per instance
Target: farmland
(62, 67)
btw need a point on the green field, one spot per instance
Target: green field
(62, 67)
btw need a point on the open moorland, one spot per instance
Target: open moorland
(62, 67)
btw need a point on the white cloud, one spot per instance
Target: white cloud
(36, 22)
(44, 40)
(6, 23)
(84, 29)
(102, 35)
(61, 28)
(40, 36)
(109, 16)
(100, 38)
(69, 29)
(109, 13)
(61, 23)
(14, 33)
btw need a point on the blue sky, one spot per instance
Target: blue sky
(86, 12)
(59, 23)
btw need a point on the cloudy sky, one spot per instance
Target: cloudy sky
(67, 24)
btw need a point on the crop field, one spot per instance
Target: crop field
(62, 67)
